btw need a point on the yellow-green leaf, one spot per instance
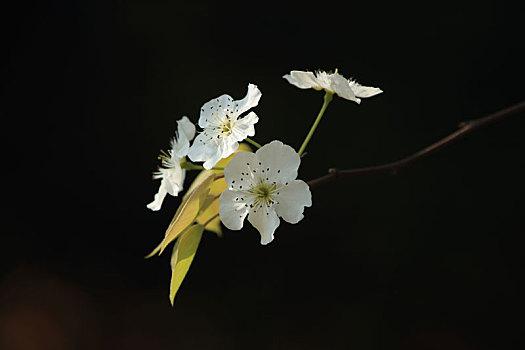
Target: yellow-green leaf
(203, 175)
(154, 251)
(207, 213)
(215, 226)
(182, 256)
(187, 211)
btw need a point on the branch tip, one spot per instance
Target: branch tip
(465, 128)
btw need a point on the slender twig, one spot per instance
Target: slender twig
(465, 128)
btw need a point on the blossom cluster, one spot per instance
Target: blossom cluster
(235, 183)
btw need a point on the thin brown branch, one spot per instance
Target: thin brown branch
(465, 128)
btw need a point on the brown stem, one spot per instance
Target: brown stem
(465, 128)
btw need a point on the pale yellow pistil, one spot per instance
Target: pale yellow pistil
(221, 127)
(227, 127)
(262, 194)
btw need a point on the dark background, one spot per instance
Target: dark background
(427, 259)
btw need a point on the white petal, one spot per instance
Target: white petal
(282, 160)
(171, 183)
(202, 148)
(186, 128)
(215, 106)
(181, 145)
(265, 221)
(364, 91)
(238, 172)
(210, 151)
(250, 100)
(179, 148)
(212, 159)
(173, 180)
(244, 127)
(303, 80)
(159, 197)
(227, 146)
(341, 87)
(292, 199)
(232, 210)
(325, 81)
(295, 82)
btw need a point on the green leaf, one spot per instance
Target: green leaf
(208, 212)
(154, 251)
(182, 256)
(187, 211)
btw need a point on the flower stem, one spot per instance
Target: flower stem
(190, 166)
(327, 99)
(249, 140)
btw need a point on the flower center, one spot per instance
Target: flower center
(227, 127)
(263, 193)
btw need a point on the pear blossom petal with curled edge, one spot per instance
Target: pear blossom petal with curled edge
(263, 187)
(170, 173)
(333, 83)
(223, 127)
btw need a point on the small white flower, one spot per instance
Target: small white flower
(263, 186)
(171, 174)
(223, 128)
(331, 82)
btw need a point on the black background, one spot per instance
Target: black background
(427, 259)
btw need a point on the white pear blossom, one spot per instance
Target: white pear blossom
(223, 128)
(171, 174)
(332, 82)
(263, 186)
